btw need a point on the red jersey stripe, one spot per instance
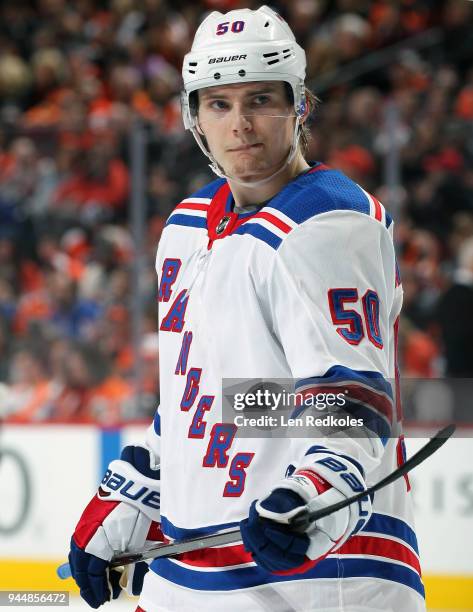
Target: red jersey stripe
(380, 547)
(216, 557)
(377, 209)
(356, 545)
(272, 219)
(191, 206)
(371, 398)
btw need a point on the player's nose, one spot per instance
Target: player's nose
(240, 121)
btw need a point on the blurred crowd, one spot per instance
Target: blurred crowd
(77, 78)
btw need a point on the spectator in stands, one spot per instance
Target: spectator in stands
(5, 344)
(114, 339)
(7, 303)
(70, 315)
(454, 316)
(99, 186)
(90, 392)
(18, 180)
(149, 392)
(29, 395)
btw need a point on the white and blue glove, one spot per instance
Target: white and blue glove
(326, 478)
(122, 516)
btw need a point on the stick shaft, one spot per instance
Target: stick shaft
(301, 521)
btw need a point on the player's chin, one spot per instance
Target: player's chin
(249, 170)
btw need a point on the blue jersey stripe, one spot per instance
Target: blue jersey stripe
(339, 373)
(180, 533)
(373, 419)
(187, 220)
(246, 577)
(384, 524)
(260, 232)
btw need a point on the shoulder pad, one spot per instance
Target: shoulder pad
(324, 189)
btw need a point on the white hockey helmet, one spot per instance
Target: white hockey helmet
(243, 46)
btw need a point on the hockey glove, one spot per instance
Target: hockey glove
(267, 533)
(123, 515)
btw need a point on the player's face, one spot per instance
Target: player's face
(248, 127)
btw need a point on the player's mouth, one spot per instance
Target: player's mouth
(249, 147)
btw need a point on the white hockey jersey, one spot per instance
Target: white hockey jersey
(305, 288)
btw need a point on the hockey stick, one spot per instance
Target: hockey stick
(301, 521)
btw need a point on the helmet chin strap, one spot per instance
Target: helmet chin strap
(219, 171)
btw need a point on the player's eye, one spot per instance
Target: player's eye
(218, 105)
(261, 100)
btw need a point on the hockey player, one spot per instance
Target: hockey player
(277, 269)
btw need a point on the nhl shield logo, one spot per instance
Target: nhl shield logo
(222, 225)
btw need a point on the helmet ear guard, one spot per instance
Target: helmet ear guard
(188, 117)
(302, 109)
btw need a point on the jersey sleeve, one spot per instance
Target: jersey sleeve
(334, 300)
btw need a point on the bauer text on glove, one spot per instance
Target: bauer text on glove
(122, 516)
(325, 479)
